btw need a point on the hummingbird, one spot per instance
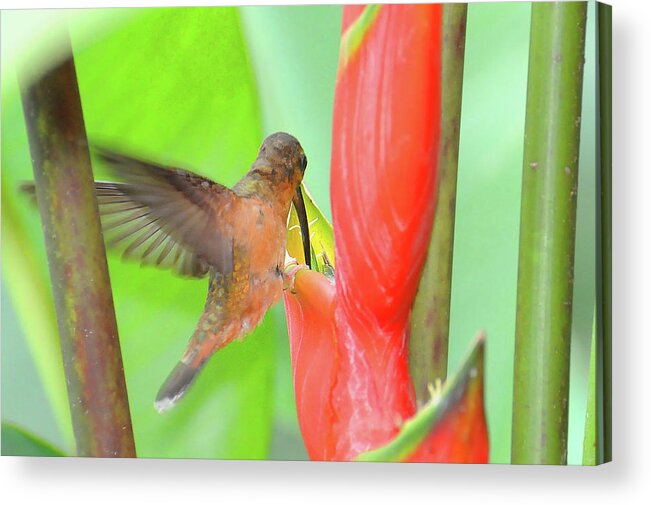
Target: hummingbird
(173, 218)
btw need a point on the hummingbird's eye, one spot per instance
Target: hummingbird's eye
(303, 162)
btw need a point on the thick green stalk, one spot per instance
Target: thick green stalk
(605, 238)
(77, 261)
(591, 442)
(547, 231)
(430, 319)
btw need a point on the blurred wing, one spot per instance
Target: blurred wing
(166, 216)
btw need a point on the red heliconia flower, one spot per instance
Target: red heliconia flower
(384, 154)
(310, 321)
(349, 339)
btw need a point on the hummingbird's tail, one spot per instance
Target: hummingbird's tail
(212, 333)
(176, 385)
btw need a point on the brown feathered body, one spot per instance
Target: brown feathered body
(174, 218)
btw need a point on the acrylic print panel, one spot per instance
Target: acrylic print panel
(448, 313)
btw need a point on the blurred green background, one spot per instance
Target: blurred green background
(200, 88)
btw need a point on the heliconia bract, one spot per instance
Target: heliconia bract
(349, 340)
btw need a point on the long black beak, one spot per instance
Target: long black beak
(299, 205)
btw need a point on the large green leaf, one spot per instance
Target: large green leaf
(24, 264)
(174, 85)
(18, 442)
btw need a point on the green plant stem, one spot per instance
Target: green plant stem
(547, 233)
(76, 256)
(591, 441)
(430, 319)
(604, 384)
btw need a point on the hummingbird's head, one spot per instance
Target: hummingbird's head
(283, 157)
(281, 163)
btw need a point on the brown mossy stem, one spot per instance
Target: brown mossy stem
(77, 261)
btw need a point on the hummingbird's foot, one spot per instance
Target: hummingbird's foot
(435, 390)
(289, 275)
